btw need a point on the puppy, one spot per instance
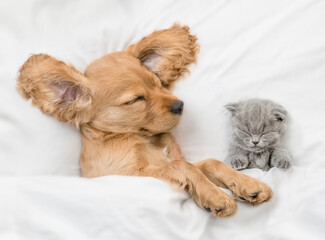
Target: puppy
(125, 111)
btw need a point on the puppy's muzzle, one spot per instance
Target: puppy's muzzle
(177, 108)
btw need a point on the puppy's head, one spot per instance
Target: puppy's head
(121, 92)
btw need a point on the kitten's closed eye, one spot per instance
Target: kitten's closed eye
(269, 134)
(241, 133)
(270, 137)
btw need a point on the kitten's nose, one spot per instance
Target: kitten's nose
(177, 107)
(255, 142)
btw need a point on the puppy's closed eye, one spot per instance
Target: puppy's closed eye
(138, 98)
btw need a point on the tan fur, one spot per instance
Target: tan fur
(122, 106)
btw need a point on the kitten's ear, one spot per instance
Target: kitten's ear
(167, 53)
(279, 113)
(56, 88)
(232, 107)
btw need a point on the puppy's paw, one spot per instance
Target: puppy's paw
(239, 162)
(216, 201)
(282, 162)
(249, 189)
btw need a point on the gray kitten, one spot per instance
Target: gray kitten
(258, 127)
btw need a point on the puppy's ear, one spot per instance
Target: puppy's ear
(167, 53)
(56, 88)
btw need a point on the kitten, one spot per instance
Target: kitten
(258, 127)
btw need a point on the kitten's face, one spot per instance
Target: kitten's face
(257, 124)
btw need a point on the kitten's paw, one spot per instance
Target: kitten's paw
(239, 162)
(283, 162)
(280, 159)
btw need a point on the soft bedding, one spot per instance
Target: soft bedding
(255, 48)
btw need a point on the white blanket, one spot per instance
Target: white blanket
(255, 48)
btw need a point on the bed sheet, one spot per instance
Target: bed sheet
(116, 207)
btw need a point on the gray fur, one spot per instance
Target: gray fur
(263, 122)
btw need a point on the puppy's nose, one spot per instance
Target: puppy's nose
(177, 107)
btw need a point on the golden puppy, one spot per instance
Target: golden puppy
(125, 111)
